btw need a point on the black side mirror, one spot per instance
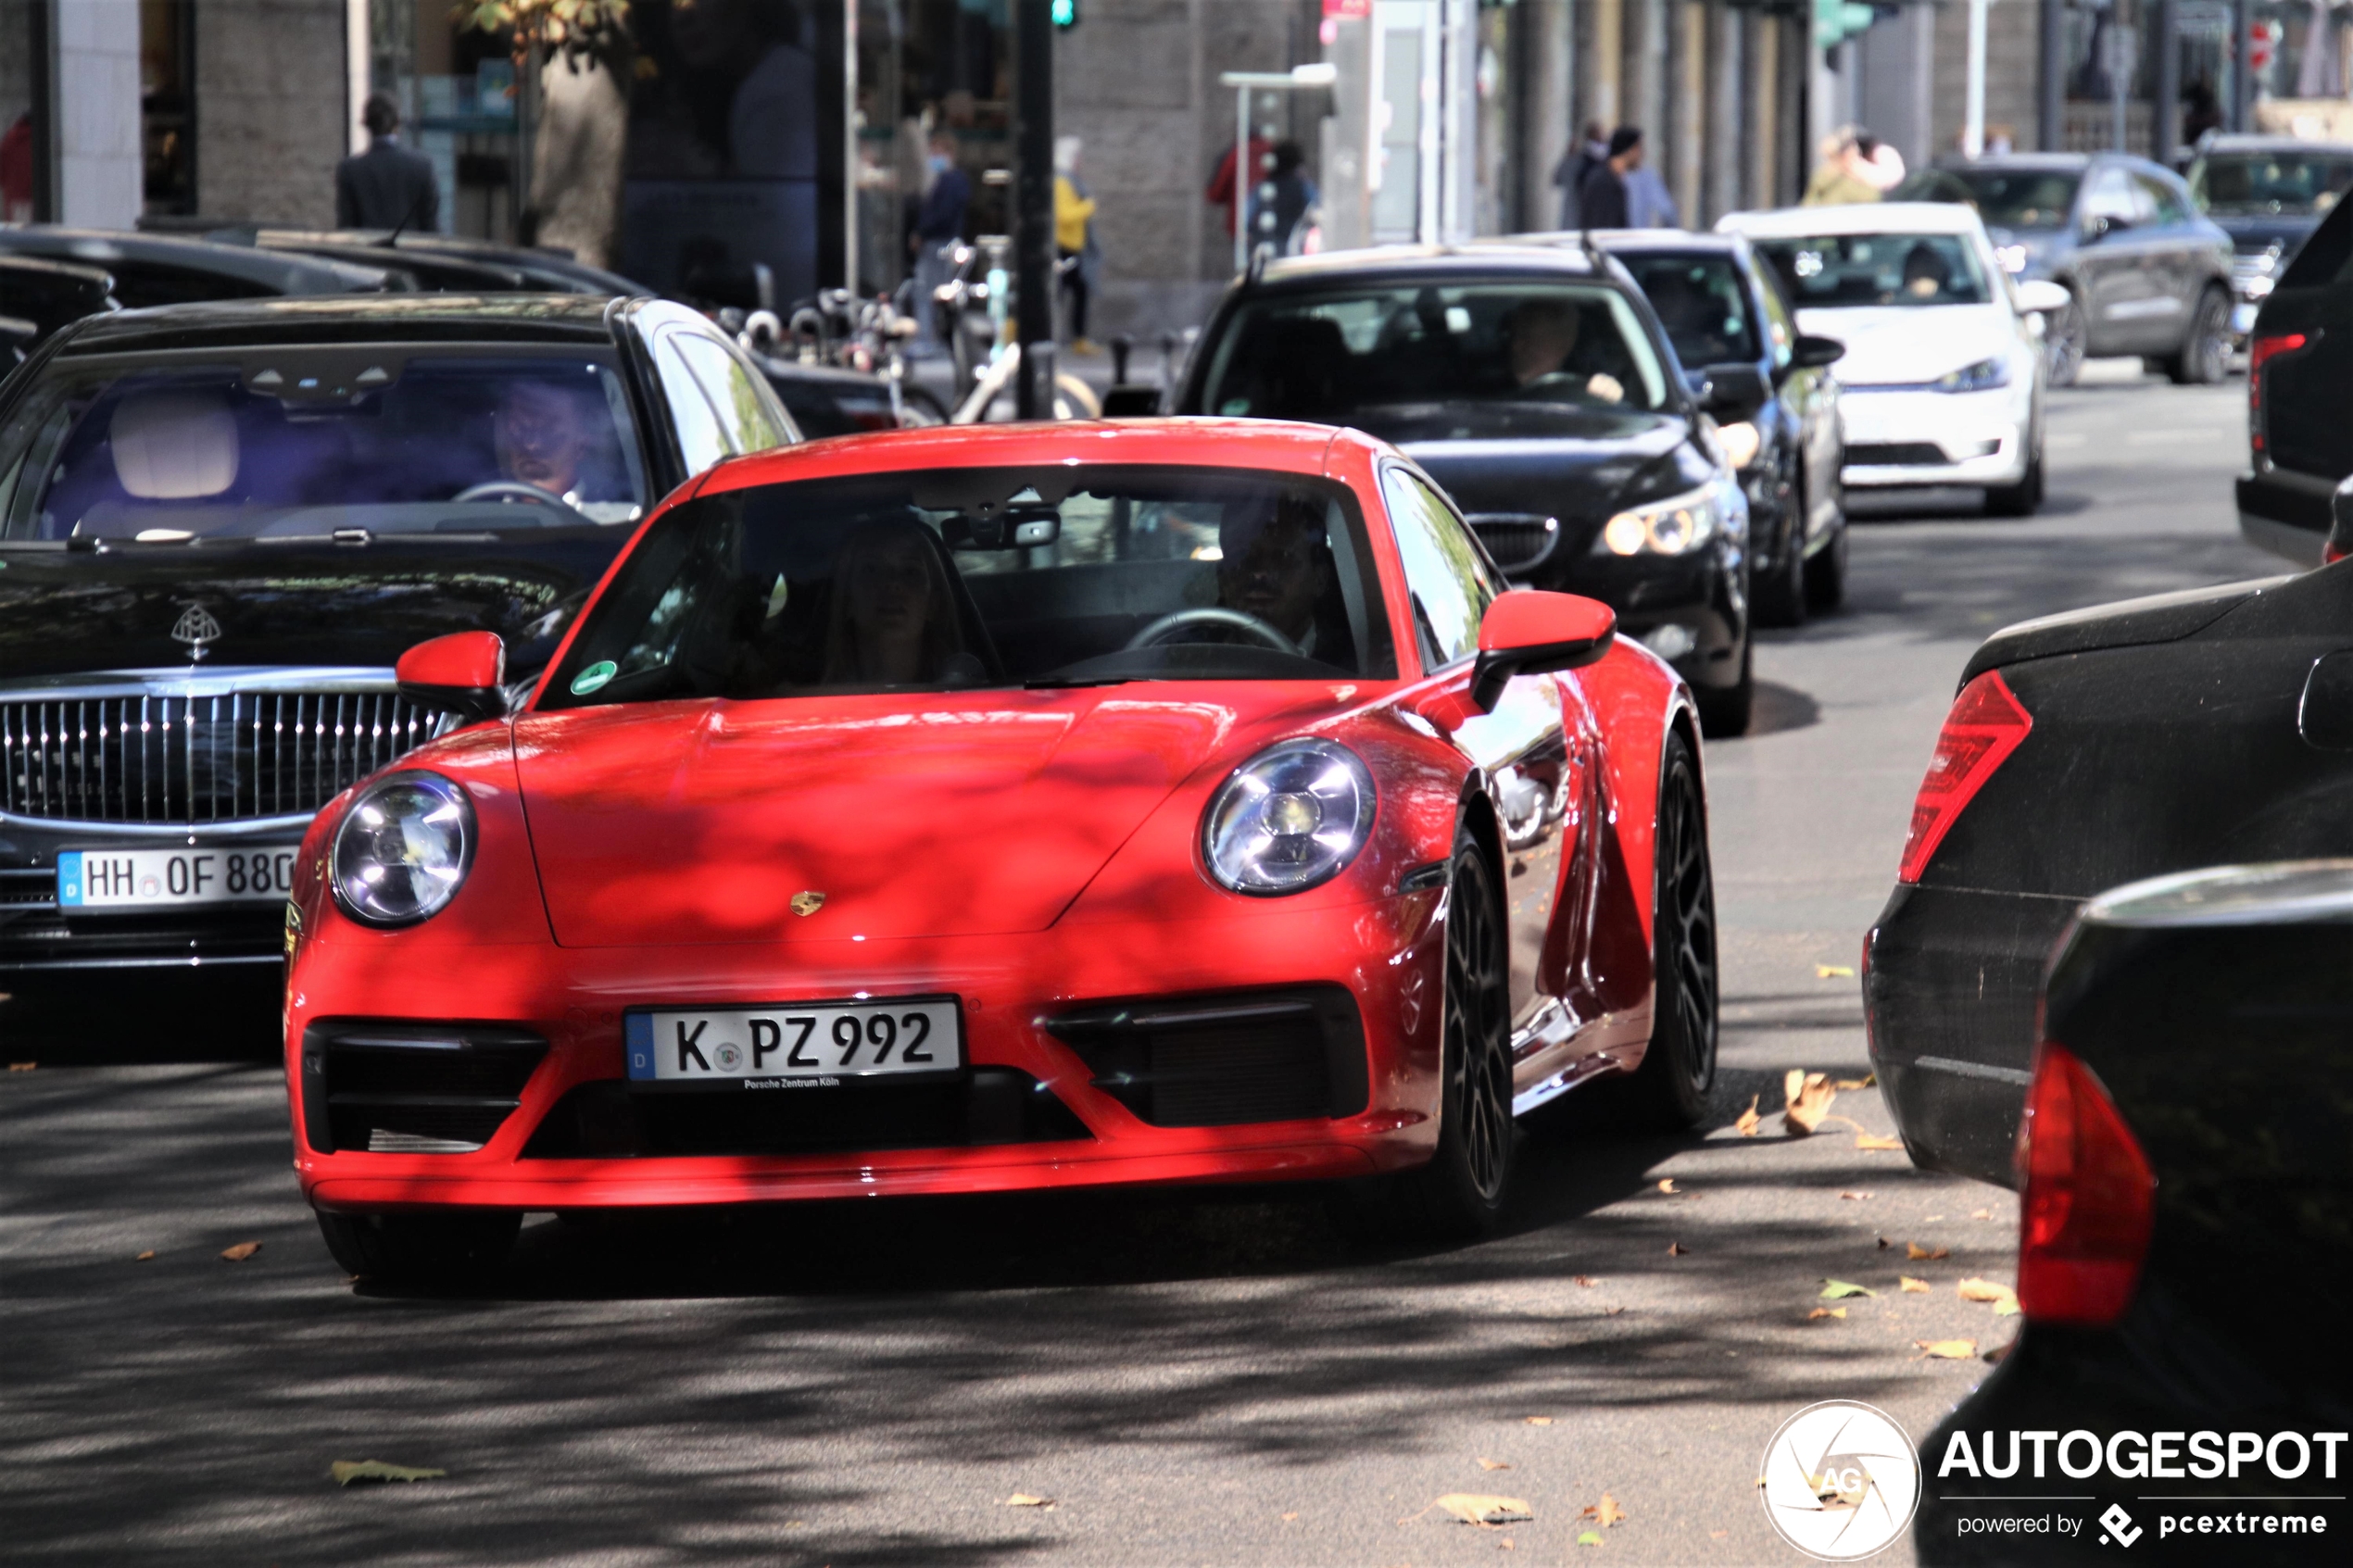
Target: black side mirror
(1811, 353)
(1136, 400)
(1734, 392)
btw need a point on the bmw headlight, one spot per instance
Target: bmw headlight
(1291, 818)
(403, 849)
(1983, 376)
(1672, 527)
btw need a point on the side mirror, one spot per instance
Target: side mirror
(2040, 296)
(1528, 632)
(1809, 353)
(461, 673)
(2101, 225)
(1135, 400)
(1734, 392)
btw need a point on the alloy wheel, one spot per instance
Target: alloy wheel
(1479, 1091)
(1687, 967)
(2069, 336)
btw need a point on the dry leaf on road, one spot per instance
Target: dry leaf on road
(1947, 1350)
(1980, 1213)
(1833, 971)
(1588, 1537)
(23, 1066)
(1808, 1095)
(1289, 1517)
(240, 1252)
(1023, 1499)
(1588, 1281)
(1478, 1508)
(1492, 1464)
(1607, 1510)
(1826, 1312)
(1746, 1125)
(1854, 1196)
(1839, 1291)
(1868, 1141)
(147, 1257)
(1868, 1081)
(1539, 1421)
(344, 1472)
(1676, 1249)
(2004, 1299)
(1666, 1183)
(1916, 1252)
(1912, 1286)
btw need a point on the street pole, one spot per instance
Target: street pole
(1245, 180)
(1034, 207)
(1973, 122)
(2242, 79)
(2166, 135)
(2050, 108)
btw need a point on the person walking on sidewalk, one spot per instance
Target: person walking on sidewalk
(939, 225)
(1280, 201)
(1580, 159)
(387, 186)
(1601, 198)
(1082, 257)
(1843, 175)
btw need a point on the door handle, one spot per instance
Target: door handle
(2325, 712)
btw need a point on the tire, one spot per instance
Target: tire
(2205, 356)
(2070, 338)
(1669, 1090)
(421, 1249)
(1780, 599)
(1825, 573)
(1725, 713)
(2022, 499)
(1459, 1195)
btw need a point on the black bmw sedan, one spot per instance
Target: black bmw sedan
(1534, 383)
(220, 526)
(2187, 1162)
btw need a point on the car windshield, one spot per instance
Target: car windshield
(1834, 272)
(2006, 198)
(2258, 183)
(950, 579)
(1701, 305)
(260, 443)
(1327, 355)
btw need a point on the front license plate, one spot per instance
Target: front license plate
(155, 879)
(795, 1045)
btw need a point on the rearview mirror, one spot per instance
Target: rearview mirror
(1811, 353)
(1734, 391)
(1529, 632)
(462, 674)
(1017, 527)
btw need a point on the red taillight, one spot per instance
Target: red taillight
(1985, 725)
(2258, 352)
(2088, 1198)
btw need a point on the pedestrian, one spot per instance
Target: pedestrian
(1588, 152)
(387, 186)
(939, 226)
(1221, 191)
(1649, 204)
(1280, 201)
(1082, 256)
(1601, 200)
(1840, 179)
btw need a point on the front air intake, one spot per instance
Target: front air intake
(1225, 1060)
(378, 1087)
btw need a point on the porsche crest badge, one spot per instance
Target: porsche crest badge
(808, 902)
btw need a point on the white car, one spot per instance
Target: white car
(1944, 366)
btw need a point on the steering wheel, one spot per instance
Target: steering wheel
(513, 490)
(1213, 615)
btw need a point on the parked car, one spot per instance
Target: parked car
(1534, 382)
(2146, 272)
(41, 296)
(152, 269)
(220, 525)
(447, 262)
(2299, 398)
(2268, 194)
(1943, 378)
(1737, 336)
(1257, 738)
(2187, 1162)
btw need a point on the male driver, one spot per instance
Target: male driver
(1540, 336)
(1275, 564)
(544, 436)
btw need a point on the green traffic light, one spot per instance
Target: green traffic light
(1064, 13)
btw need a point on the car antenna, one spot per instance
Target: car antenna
(1257, 265)
(392, 241)
(1593, 251)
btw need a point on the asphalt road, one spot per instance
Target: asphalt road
(1189, 1380)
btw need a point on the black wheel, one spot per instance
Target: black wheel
(1780, 595)
(1725, 711)
(2205, 356)
(1669, 1090)
(2022, 499)
(1825, 573)
(2066, 340)
(1458, 1195)
(419, 1249)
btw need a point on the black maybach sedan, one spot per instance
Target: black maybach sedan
(220, 526)
(1534, 382)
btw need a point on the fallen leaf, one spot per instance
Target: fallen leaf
(1588, 1537)
(1884, 1243)
(1868, 1081)
(1912, 1286)
(1947, 1350)
(147, 1257)
(1826, 1312)
(23, 1066)
(240, 1252)
(1492, 1464)
(1717, 1535)
(1609, 1513)
(344, 1472)
(1505, 1544)
(1839, 1291)
(1477, 1508)
(1833, 971)
(1588, 1281)
(1808, 1095)
(1917, 1253)
(1540, 1421)
(1612, 1311)
(1676, 1249)
(1289, 1517)
(1854, 1196)
(1023, 1499)
(2007, 1307)
(1869, 1141)
(1980, 1214)
(1746, 1125)
(1931, 1219)
(2004, 1299)
(1666, 1183)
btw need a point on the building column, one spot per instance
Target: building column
(1725, 127)
(101, 170)
(1762, 104)
(1685, 108)
(1600, 62)
(1645, 72)
(1546, 41)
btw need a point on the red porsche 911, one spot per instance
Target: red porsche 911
(963, 810)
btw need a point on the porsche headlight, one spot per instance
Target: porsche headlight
(1672, 527)
(1291, 818)
(403, 849)
(1983, 376)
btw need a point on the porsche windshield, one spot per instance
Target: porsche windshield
(303, 443)
(1840, 272)
(951, 578)
(1325, 356)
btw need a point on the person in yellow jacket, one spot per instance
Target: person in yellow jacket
(1082, 257)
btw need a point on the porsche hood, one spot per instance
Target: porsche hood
(762, 821)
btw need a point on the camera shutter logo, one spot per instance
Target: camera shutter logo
(2119, 1525)
(197, 629)
(1841, 1480)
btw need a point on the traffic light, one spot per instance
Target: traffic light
(1064, 12)
(1835, 21)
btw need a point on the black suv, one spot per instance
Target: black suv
(2300, 399)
